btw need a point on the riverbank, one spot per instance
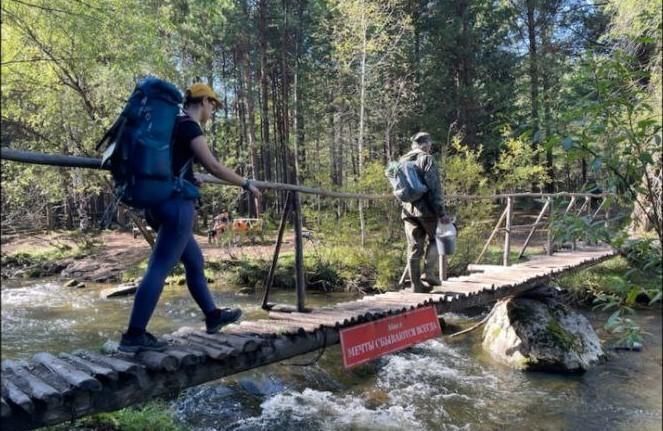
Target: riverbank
(444, 384)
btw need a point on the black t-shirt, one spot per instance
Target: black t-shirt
(186, 130)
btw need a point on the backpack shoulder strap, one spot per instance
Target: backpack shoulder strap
(181, 119)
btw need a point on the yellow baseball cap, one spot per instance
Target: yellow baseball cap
(202, 90)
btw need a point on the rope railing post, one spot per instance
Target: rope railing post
(568, 208)
(492, 234)
(549, 248)
(536, 224)
(277, 250)
(598, 209)
(362, 223)
(507, 231)
(299, 255)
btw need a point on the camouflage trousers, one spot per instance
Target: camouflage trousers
(420, 234)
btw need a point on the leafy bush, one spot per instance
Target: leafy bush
(515, 169)
(569, 228)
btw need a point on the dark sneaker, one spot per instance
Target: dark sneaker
(138, 343)
(221, 318)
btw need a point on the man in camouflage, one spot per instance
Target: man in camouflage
(421, 217)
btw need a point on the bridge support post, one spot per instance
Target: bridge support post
(507, 231)
(299, 255)
(549, 248)
(536, 225)
(277, 251)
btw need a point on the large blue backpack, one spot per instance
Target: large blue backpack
(405, 179)
(139, 146)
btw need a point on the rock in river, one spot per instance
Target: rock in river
(540, 333)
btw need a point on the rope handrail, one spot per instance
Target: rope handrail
(62, 160)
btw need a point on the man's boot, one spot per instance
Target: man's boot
(431, 267)
(415, 277)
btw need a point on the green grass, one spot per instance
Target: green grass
(152, 416)
(601, 278)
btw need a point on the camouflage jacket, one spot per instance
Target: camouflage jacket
(431, 204)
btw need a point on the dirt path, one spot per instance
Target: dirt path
(119, 251)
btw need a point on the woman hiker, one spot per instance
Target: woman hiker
(173, 220)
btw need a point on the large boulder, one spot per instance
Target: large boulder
(540, 333)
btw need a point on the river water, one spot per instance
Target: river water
(442, 384)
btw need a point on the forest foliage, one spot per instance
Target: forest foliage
(518, 95)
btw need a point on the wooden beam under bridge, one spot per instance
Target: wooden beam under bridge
(50, 389)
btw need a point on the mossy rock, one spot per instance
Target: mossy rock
(541, 335)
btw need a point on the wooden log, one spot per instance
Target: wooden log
(32, 385)
(158, 361)
(187, 358)
(117, 364)
(16, 396)
(74, 377)
(98, 371)
(251, 342)
(203, 339)
(238, 343)
(216, 352)
(122, 365)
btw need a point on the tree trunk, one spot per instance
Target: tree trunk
(362, 93)
(546, 66)
(332, 142)
(533, 73)
(284, 76)
(266, 146)
(297, 114)
(248, 95)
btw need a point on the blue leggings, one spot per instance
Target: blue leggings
(173, 220)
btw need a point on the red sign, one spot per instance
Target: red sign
(371, 340)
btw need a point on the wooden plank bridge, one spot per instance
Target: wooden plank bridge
(50, 389)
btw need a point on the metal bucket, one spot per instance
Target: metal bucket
(445, 239)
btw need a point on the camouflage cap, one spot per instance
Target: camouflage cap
(422, 138)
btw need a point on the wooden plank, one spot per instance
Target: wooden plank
(395, 303)
(368, 312)
(304, 318)
(30, 384)
(15, 395)
(98, 371)
(265, 327)
(73, 376)
(406, 298)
